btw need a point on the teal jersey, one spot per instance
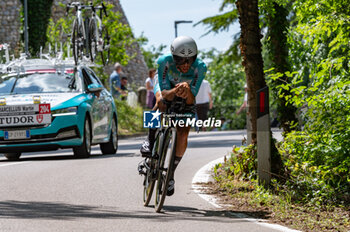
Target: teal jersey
(169, 76)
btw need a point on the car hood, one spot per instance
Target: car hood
(53, 98)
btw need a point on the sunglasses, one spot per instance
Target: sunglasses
(182, 60)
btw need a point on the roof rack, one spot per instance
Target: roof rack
(46, 61)
(5, 47)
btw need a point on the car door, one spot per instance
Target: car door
(104, 108)
(96, 107)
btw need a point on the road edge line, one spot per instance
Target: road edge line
(203, 175)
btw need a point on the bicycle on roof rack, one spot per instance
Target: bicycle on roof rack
(98, 35)
(89, 36)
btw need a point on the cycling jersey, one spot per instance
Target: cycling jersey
(169, 76)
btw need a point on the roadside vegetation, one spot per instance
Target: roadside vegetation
(306, 53)
(293, 199)
(130, 119)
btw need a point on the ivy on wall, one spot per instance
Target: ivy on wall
(39, 12)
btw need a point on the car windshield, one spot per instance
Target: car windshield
(40, 83)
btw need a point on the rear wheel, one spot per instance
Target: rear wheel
(112, 146)
(165, 168)
(104, 46)
(93, 39)
(77, 41)
(12, 156)
(84, 150)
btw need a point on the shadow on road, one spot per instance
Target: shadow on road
(70, 157)
(63, 211)
(216, 134)
(213, 143)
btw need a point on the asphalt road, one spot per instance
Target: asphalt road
(51, 191)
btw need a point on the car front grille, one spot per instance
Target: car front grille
(64, 133)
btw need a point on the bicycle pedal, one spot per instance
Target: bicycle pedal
(142, 173)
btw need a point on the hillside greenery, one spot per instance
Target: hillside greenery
(314, 84)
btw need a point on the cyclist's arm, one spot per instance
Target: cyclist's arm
(167, 94)
(183, 90)
(159, 103)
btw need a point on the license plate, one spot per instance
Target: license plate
(18, 134)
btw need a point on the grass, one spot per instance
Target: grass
(276, 206)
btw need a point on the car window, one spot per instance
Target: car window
(40, 83)
(95, 79)
(86, 77)
(7, 85)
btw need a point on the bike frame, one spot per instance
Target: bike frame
(99, 24)
(98, 29)
(79, 8)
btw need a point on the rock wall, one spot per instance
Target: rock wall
(10, 22)
(136, 70)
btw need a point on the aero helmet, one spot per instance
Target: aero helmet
(184, 49)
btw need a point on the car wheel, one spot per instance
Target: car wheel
(112, 146)
(84, 150)
(12, 156)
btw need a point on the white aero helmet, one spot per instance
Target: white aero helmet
(184, 47)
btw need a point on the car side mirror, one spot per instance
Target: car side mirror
(94, 88)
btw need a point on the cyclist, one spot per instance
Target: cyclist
(180, 75)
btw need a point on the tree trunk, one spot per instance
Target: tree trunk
(250, 46)
(278, 50)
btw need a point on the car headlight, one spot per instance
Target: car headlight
(65, 111)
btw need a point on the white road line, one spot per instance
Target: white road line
(10, 164)
(203, 175)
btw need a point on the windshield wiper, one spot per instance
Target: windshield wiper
(14, 84)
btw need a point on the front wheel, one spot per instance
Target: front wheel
(149, 180)
(165, 168)
(93, 39)
(12, 156)
(84, 150)
(112, 146)
(76, 41)
(104, 46)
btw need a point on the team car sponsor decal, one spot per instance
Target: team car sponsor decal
(24, 115)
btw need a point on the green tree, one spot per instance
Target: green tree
(250, 46)
(277, 49)
(150, 54)
(39, 12)
(226, 80)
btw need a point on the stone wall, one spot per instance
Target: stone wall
(136, 70)
(10, 22)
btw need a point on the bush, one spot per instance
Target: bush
(130, 119)
(242, 164)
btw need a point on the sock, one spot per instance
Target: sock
(151, 137)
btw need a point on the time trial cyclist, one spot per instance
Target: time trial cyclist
(180, 75)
